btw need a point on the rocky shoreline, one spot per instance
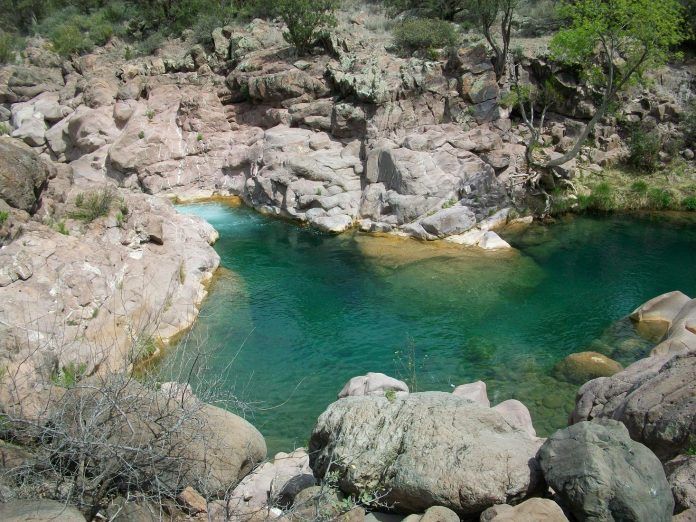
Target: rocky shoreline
(98, 271)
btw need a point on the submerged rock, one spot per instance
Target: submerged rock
(599, 473)
(423, 450)
(580, 367)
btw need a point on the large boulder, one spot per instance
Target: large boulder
(23, 175)
(654, 397)
(663, 308)
(449, 221)
(423, 450)
(599, 473)
(532, 510)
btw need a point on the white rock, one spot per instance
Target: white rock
(492, 241)
(474, 391)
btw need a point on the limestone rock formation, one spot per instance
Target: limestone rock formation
(423, 450)
(599, 473)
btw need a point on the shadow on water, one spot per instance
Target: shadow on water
(306, 311)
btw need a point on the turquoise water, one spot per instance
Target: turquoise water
(299, 312)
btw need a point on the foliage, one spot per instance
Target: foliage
(93, 204)
(659, 198)
(613, 42)
(305, 20)
(487, 13)
(689, 203)
(443, 9)
(425, 33)
(4, 128)
(644, 147)
(70, 375)
(690, 122)
(61, 228)
(8, 46)
(4, 215)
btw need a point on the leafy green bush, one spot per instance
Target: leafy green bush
(306, 21)
(689, 203)
(8, 46)
(69, 375)
(69, 39)
(644, 147)
(639, 187)
(4, 215)
(603, 197)
(91, 205)
(425, 33)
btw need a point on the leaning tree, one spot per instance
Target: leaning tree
(612, 43)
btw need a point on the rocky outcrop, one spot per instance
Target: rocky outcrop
(599, 473)
(23, 175)
(636, 397)
(423, 450)
(532, 510)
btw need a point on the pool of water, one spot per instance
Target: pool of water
(294, 313)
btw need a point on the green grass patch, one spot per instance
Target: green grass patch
(69, 375)
(93, 204)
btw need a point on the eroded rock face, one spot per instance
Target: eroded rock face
(23, 175)
(636, 397)
(599, 473)
(681, 475)
(425, 449)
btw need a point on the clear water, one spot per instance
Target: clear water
(299, 312)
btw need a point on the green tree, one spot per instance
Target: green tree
(613, 42)
(305, 20)
(487, 13)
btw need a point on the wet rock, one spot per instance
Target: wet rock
(373, 384)
(411, 448)
(580, 367)
(598, 472)
(492, 241)
(663, 308)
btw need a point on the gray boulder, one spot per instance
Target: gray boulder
(39, 511)
(636, 397)
(424, 450)
(599, 473)
(681, 475)
(449, 221)
(23, 175)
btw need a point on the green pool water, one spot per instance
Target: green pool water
(295, 313)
